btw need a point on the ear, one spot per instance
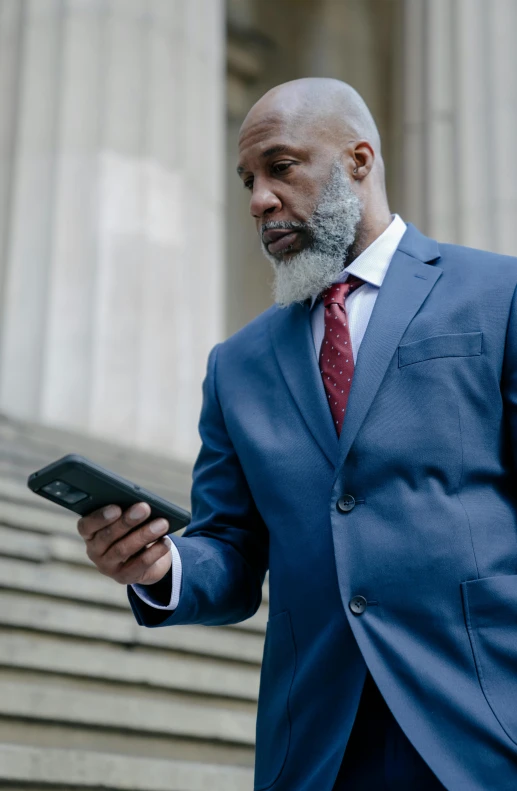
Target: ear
(362, 157)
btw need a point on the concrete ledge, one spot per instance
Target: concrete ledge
(40, 520)
(21, 610)
(75, 769)
(83, 584)
(27, 545)
(55, 579)
(124, 712)
(139, 666)
(17, 543)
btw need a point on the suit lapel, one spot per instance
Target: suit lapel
(291, 335)
(407, 283)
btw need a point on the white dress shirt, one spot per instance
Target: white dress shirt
(371, 266)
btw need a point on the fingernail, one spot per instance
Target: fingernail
(137, 511)
(158, 527)
(111, 512)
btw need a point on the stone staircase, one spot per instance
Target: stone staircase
(89, 699)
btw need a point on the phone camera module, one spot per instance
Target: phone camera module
(64, 492)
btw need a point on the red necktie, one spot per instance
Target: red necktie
(336, 359)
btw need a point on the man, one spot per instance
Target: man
(390, 534)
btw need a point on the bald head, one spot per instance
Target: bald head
(323, 104)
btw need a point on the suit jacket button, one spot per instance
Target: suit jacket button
(345, 503)
(358, 605)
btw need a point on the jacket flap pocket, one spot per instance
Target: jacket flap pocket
(461, 344)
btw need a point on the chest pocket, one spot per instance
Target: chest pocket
(461, 344)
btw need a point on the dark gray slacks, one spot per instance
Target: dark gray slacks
(379, 756)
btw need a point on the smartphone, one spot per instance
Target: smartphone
(81, 486)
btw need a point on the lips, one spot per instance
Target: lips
(278, 239)
(274, 234)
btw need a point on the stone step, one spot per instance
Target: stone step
(118, 664)
(83, 584)
(56, 702)
(26, 545)
(46, 615)
(73, 769)
(135, 708)
(37, 519)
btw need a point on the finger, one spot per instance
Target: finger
(91, 524)
(133, 543)
(104, 538)
(139, 567)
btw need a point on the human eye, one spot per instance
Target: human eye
(248, 184)
(281, 167)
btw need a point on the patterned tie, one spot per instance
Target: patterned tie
(336, 360)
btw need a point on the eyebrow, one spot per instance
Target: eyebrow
(269, 152)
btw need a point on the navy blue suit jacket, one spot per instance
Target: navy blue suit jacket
(428, 451)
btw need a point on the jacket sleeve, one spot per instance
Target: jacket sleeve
(224, 550)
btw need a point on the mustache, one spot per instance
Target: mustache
(283, 225)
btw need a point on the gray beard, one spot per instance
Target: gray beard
(332, 230)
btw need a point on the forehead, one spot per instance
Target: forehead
(259, 135)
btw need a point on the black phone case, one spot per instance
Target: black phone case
(103, 488)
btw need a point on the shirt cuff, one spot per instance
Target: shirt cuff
(142, 591)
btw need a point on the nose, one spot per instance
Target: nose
(263, 200)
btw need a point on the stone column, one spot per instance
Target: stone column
(111, 214)
(460, 121)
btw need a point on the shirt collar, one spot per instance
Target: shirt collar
(372, 265)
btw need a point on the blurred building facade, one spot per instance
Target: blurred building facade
(127, 250)
(126, 253)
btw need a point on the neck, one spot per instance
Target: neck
(369, 230)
